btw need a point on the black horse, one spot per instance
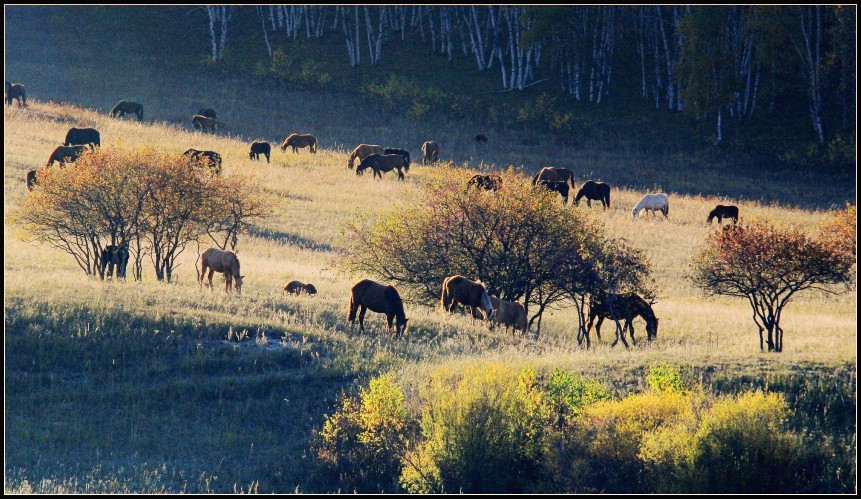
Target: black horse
(560, 187)
(115, 256)
(16, 91)
(82, 137)
(722, 211)
(127, 107)
(403, 153)
(486, 182)
(258, 148)
(32, 181)
(211, 158)
(207, 111)
(599, 191)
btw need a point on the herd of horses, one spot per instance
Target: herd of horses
(367, 294)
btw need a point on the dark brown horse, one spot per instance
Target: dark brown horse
(403, 153)
(486, 182)
(598, 191)
(722, 211)
(61, 153)
(16, 91)
(127, 107)
(430, 152)
(208, 158)
(115, 257)
(481, 138)
(560, 187)
(32, 181)
(296, 288)
(208, 112)
(460, 290)
(552, 174)
(258, 148)
(82, 137)
(626, 306)
(382, 163)
(367, 294)
(298, 141)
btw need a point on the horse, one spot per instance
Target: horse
(430, 152)
(115, 256)
(32, 181)
(594, 190)
(403, 153)
(16, 91)
(382, 163)
(296, 288)
(210, 158)
(626, 306)
(225, 262)
(653, 202)
(297, 141)
(509, 314)
(207, 111)
(82, 136)
(62, 152)
(560, 187)
(721, 212)
(552, 174)
(258, 148)
(362, 151)
(480, 138)
(458, 289)
(486, 182)
(127, 107)
(367, 294)
(203, 123)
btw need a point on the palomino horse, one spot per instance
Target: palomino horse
(458, 289)
(362, 151)
(382, 163)
(552, 174)
(16, 91)
(296, 288)
(298, 141)
(367, 294)
(82, 137)
(722, 211)
(225, 262)
(599, 191)
(653, 202)
(430, 152)
(258, 148)
(626, 306)
(127, 107)
(61, 153)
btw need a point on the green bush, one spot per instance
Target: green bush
(662, 377)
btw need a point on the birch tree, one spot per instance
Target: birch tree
(219, 18)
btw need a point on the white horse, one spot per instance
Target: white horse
(653, 202)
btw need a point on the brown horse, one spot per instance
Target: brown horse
(560, 187)
(486, 182)
(207, 111)
(430, 152)
(258, 148)
(203, 123)
(297, 141)
(61, 153)
(367, 294)
(16, 91)
(405, 154)
(115, 257)
(127, 107)
(509, 314)
(458, 289)
(82, 137)
(296, 288)
(721, 212)
(382, 163)
(626, 306)
(599, 191)
(362, 151)
(551, 174)
(225, 262)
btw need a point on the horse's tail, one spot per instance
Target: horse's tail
(535, 178)
(445, 298)
(608, 198)
(140, 112)
(314, 145)
(351, 311)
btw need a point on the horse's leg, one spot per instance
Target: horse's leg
(400, 174)
(227, 282)
(629, 324)
(211, 271)
(362, 310)
(589, 202)
(598, 326)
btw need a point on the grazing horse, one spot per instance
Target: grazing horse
(599, 191)
(258, 148)
(653, 202)
(480, 138)
(367, 294)
(127, 107)
(297, 141)
(15, 91)
(486, 182)
(62, 152)
(32, 181)
(82, 137)
(552, 174)
(403, 153)
(560, 187)
(722, 211)
(458, 289)
(382, 163)
(115, 256)
(207, 111)
(626, 306)
(296, 288)
(225, 262)
(362, 151)
(203, 123)
(210, 158)
(430, 152)
(509, 314)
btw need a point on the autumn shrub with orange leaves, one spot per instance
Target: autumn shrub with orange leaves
(149, 200)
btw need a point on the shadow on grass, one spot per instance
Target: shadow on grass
(290, 239)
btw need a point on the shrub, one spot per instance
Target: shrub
(662, 377)
(840, 230)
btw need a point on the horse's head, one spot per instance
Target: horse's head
(400, 326)
(652, 328)
(487, 307)
(237, 283)
(634, 213)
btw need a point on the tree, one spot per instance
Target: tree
(768, 265)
